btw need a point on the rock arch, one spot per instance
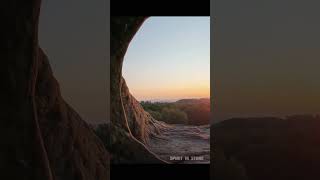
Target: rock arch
(131, 126)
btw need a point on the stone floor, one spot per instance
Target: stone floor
(183, 144)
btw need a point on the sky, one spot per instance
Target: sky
(169, 58)
(266, 60)
(73, 35)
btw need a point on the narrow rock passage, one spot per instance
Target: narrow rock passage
(184, 144)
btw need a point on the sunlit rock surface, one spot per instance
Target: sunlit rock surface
(130, 127)
(183, 140)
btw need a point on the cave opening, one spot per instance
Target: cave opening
(167, 66)
(168, 59)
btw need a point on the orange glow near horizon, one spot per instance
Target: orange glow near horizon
(176, 92)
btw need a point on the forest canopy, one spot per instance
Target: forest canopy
(185, 111)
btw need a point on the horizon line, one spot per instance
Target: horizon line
(171, 99)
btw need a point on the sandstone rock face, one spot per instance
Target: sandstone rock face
(142, 125)
(131, 127)
(42, 137)
(23, 154)
(122, 31)
(73, 149)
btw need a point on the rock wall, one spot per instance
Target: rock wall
(131, 126)
(141, 124)
(73, 149)
(23, 155)
(42, 137)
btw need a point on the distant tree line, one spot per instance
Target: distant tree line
(195, 112)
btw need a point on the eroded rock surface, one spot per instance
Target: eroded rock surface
(142, 125)
(42, 137)
(180, 140)
(74, 151)
(130, 126)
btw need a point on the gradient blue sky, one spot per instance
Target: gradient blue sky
(169, 58)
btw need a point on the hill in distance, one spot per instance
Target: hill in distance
(267, 148)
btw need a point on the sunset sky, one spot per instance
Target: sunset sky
(267, 58)
(169, 58)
